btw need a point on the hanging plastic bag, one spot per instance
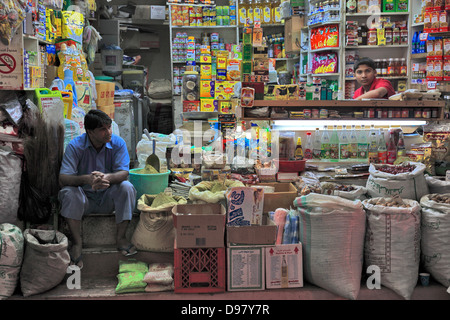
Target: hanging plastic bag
(72, 26)
(13, 14)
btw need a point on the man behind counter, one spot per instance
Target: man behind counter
(371, 86)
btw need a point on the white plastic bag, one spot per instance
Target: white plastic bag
(408, 185)
(331, 230)
(435, 244)
(11, 256)
(393, 244)
(144, 147)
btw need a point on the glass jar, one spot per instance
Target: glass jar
(372, 37)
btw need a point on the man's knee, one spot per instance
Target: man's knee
(126, 187)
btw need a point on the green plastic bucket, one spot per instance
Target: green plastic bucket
(148, 183)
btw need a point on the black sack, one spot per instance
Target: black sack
(34, 207)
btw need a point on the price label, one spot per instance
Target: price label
(431, 85)
(423, 36)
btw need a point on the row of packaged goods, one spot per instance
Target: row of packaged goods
(383, 33)
(324, 12)
(203, 16)
(365, 6)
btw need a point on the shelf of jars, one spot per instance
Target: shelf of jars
(390, 110)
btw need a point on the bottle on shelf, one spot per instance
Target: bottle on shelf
(403, 68)
(308, 152)
(391, 68)
(415, 43)
(267, 12)
(242, 8)
(353, 143)
(382, 149)
(391, 149)
(325, 144)
(250, 12)
(317, 145)
(298, 153)
(344, 144)
(334, 144)
(401, 149)
(384, 66)
(276, 11)
(373, 147)
(362, 143)
(257, 11)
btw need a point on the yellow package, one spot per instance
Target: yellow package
(234, 70)
(222, 60)
(224, 90)
(206, 89)
(208, 105)
(225, 106)
(205, 72)
(72, 26)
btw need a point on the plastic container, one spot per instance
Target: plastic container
(67, 98)
(199, 270)
(148, 183)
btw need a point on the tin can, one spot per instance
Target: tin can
(371, 113)
(323, 113)
(378, 113)
(434, 113)
(390, 113)
(426, 113)
(397, 113)
(384, 113)
(418, 113)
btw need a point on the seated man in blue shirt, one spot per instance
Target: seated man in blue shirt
(93, 177)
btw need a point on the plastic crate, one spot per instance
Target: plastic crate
(199, 270)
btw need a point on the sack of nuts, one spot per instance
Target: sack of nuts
(435, 232)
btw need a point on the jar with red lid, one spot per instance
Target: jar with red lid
(371, 113)
(378, 113)
(405, 113)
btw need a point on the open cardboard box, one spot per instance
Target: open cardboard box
(283, 197)
(199, 225)
(264, 234)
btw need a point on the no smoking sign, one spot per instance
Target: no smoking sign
(7, 63)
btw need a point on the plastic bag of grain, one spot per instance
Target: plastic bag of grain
(393, 242)
(437, 185)
(406, 180)
(435, 230)
(11, 256)
(331, 230)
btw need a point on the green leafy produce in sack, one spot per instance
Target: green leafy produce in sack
(131, 282)
(132, 265)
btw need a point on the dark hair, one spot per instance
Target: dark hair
(96, 119)
(366, 61)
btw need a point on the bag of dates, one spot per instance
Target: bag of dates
(406, 180)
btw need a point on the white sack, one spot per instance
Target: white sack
(393, 244)
(331, 231)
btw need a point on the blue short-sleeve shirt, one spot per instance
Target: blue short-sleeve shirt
(80, 157)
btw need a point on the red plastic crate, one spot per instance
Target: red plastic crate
(291, 165)
(199, 270)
